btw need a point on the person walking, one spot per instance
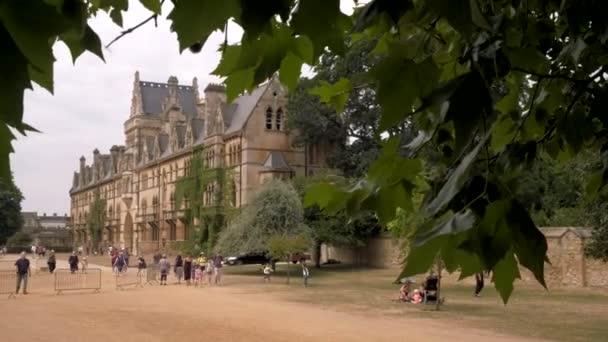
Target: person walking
(188, 269)
(73, 261)
(24, 271)
(209, 272)
(163, 266)
(218, 261)
(478, 284)
(305, 273)
(267, 273)
(141, 265)
(51, 262)
(119, 264)
(126, 258)
(179, 268)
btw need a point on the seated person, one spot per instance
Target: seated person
(404, 292)
(417, 297)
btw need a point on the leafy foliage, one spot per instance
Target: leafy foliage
(488, 84)
(11, 220)
(204, 221)
(19, 239)
(335, 230)
(282, 247)
(96, 220)
(275, 210)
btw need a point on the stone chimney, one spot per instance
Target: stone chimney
(95, 165)
(81, 175)
(55, 214)
(114, 159)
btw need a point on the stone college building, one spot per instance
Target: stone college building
(166, 123)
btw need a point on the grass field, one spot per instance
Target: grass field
(558, 314)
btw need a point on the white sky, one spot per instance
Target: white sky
(92, 100)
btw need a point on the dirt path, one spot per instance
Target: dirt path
(227, 313)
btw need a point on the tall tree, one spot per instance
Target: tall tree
(337, 229)
(275, 210)
(11, 220)
(96, 220)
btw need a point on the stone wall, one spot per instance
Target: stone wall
(569, 267)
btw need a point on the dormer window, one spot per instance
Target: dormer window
(269, 118)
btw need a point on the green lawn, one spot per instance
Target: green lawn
(559, 314)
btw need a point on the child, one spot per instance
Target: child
(417, 297)
(198, 275)
(267, 272)
(209, 269)
(305, 273)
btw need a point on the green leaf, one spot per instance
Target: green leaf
(529, 243)
(455, 181)
(504, 274)
(477, 16)
(44, 80)
(256, 15)
(237, 82)
(302, 46)
(195, 20)
(88, 41)
(152, 5)
(527, 58)
(455, 224)
(400, 83)
(322, 22)
(502, 133)
(335, 94)
(421, 258)
(6, 136)
(230, 58)
(289, 72)
(14, 69)
(116, 16)
(387, 199)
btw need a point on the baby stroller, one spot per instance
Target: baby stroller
(430, 288)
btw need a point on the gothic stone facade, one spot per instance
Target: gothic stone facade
(167, 122)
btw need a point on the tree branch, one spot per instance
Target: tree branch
(130, 30)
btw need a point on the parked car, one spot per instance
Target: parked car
(260, 259)
(247, 259)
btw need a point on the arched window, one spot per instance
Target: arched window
(269, 118)
(143, 206)
(279, 119)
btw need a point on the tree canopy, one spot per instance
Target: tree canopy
(488, 84)
(274, 211)
(11, 220)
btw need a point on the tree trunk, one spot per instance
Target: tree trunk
(288, 267)
(317, 253)
(439, 267)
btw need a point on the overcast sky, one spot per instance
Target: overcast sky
(92, 100)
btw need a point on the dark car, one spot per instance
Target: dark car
(247, 259)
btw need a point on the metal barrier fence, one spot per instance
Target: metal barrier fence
(8, 283)
(152, 274)
(65, 280)
(128, 278)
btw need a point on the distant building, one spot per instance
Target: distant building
(51, 231)
(167, 122)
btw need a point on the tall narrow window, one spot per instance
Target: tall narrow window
(279, 119)
(269, 118)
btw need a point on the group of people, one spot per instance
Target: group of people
(38, 250)
(267, 270)
(197, 272)
(119, 259)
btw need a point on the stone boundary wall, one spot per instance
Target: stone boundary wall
(569, 267)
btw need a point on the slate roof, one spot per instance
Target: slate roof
(163, 143)
(239, 111)
(153, 94)
(276, 161)
(198, 128)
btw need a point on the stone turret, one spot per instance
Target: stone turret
(136, 98)
(215, 98)
(81, 177)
